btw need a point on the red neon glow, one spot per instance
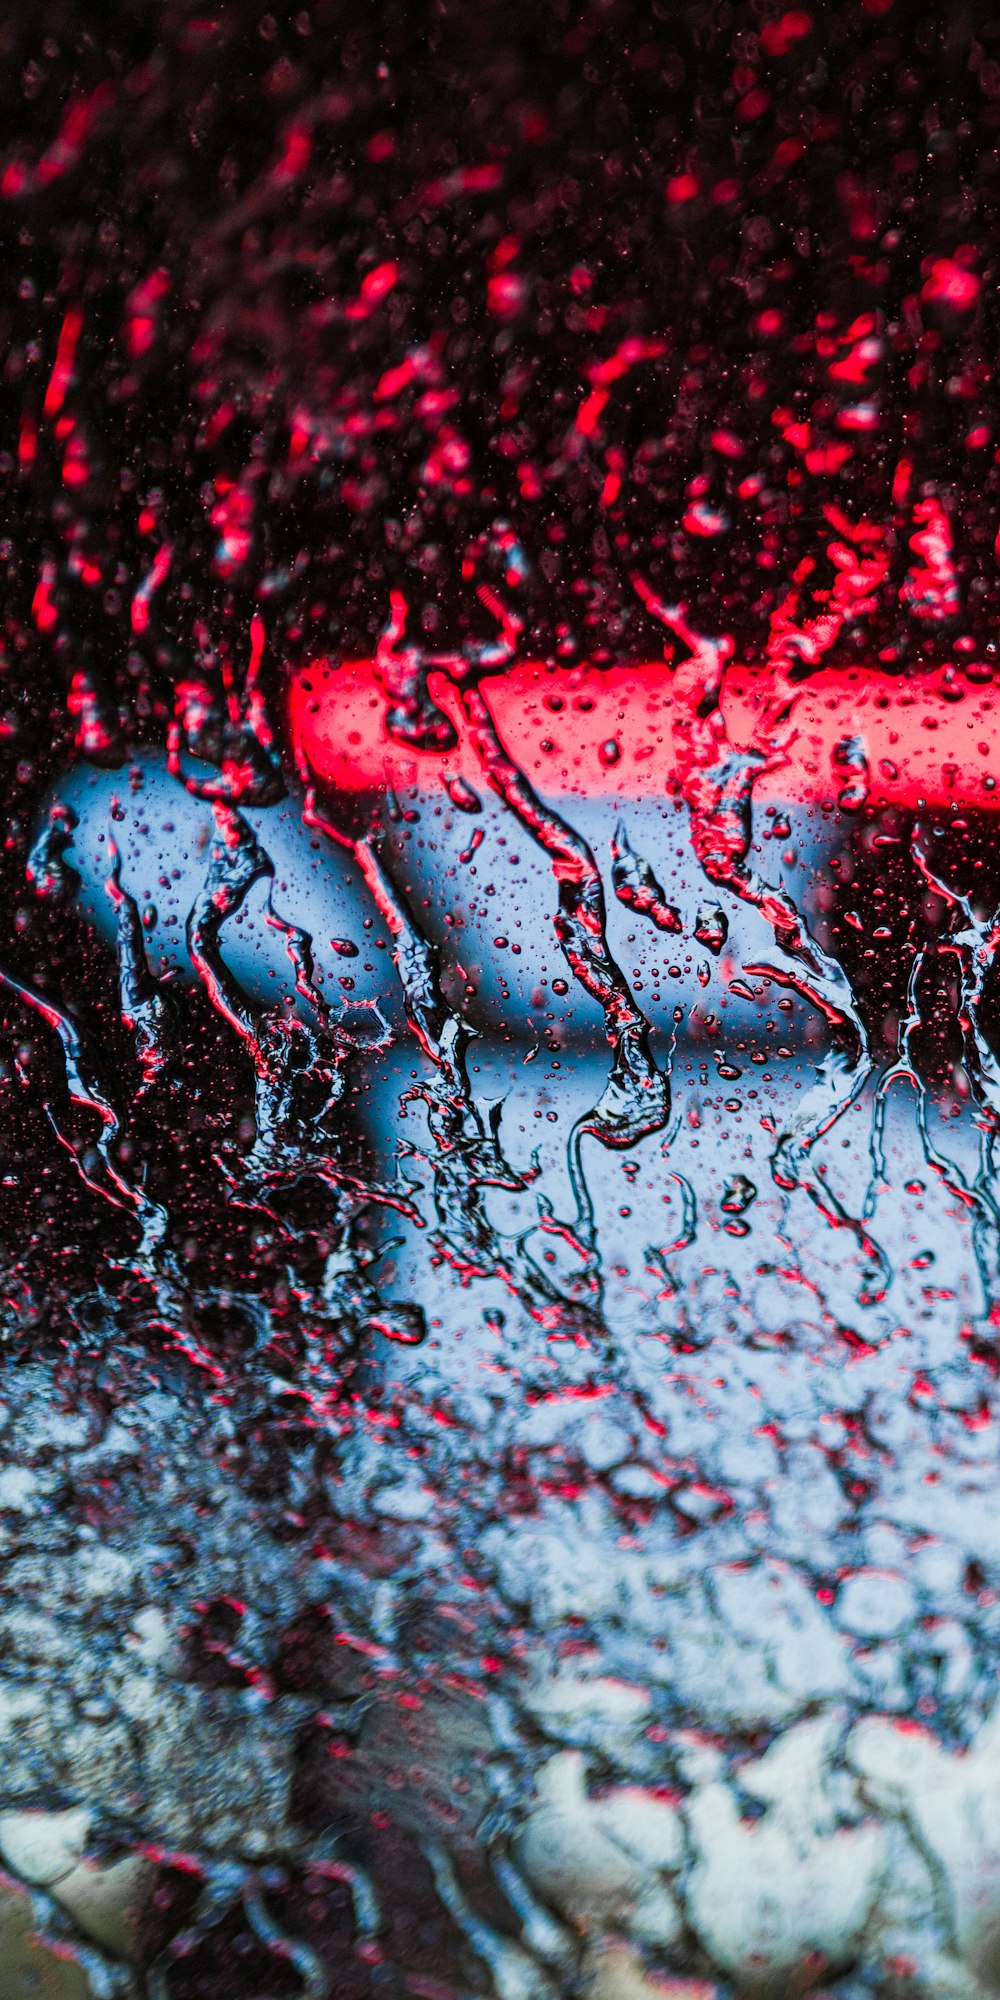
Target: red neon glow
(932, 742)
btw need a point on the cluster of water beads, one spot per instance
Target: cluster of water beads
(299, 1057)
(299, 1063)
(717, 781)
(356, 434)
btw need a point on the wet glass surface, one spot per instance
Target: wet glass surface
(498, 1016)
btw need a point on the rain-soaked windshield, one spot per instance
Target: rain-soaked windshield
(499, 1038)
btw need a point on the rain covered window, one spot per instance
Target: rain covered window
(499, 1035)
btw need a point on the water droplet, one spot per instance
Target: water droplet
(712, 929)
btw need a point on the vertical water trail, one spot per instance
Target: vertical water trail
(904, 1069)
(636, 1098)
(52, 876)
(49, 874)
(411, 717)
(972, 943)
(298, 945)
(298, 1065)
(147, 1012)
(636, 886)
(87, 1089)
(236, 862)
(236, 738)
(147, 1008)
(657, 1254)
(467, 1156)
(717, 782)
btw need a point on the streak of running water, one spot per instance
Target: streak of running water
(636, 1099)
(972, 942)
(88, 1090)
(636, 886)
(411, 716)
(233, 734)
(717, 782)
(299, 1066)
(467, 1156)
(147, 1007)
(299, 1073)
(49, 873)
